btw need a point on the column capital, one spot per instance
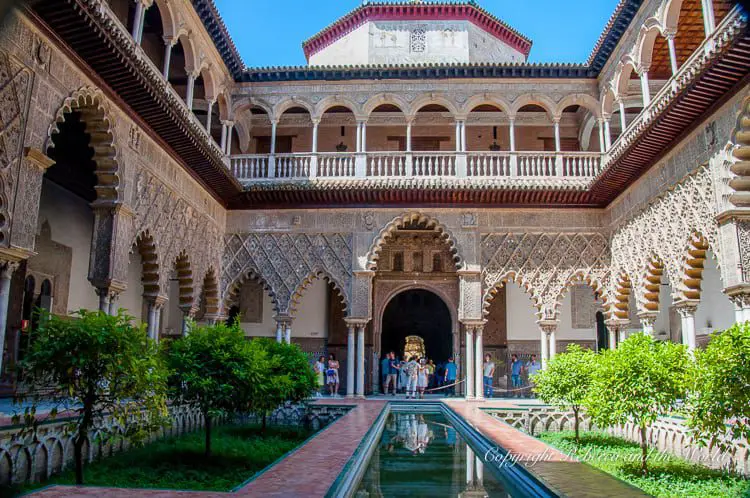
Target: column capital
(669, 34)
(548, 326)
(170, 40)
(356, 322)
(8, 267)
(687, 307)
(616, 324)
(157, 302)
(648, 317)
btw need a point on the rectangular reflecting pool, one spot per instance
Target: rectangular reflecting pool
(422, 454)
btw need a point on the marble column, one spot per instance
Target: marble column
(557, 135)
(709, 19)
(113, 297)
(552, 343)
(6, 274)
(648, 319)
(645, 89)
(512, 132)
(103, 294)
(288, 332)
(168, 44)
(478, 363)
(687, 309)
(209, 117)
(607, 135)
(672, 52)
(623, 118)
(544, 347)
(138, 21)
(350, 359)
(279, 331)
(469, 353)
(408, 135)
(230, 128)
(190, 90)
(360, 361)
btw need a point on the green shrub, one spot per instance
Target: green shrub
(104, 366)
(567, 380)
(637, 382)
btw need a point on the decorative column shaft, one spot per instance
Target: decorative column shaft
(167, 58)
(687, 310)
(350, 359)
(6, 274)
(315, 137)
(623, 120)
(408, 135)
(600, 126)
(464, 147)
(360, 361)
(274, 126)
(138, 21)
(288, 332)
(512, 132)
(364, 137)
(557, 135)
(552, 343)
(672, 53)
(458, 136)
(607, 135)
(645, 89)
(190, 91)
(279, 331)
(469, 376)
(358, 138)
(208, 116)
(478, 363)
(230, 129)
(223, 143)
(709, 20)
(544, 347)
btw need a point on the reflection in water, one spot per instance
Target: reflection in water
(422, 455)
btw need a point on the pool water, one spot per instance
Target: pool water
(423, 455)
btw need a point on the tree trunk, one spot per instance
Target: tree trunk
(576, 424)
(207, 420)
(83, 430)
(644, 450)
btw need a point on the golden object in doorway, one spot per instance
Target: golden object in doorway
(414, 347)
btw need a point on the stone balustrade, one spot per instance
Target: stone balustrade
(252, 168)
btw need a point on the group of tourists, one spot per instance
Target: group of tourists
(414, 376)
(327, 373)
(522, 375)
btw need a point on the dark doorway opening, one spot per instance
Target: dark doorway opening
(602, 334)
(420, 313)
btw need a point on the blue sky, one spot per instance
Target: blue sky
(271, 32)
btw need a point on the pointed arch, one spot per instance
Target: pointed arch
(146, 247)
(305, 283)
(232, 294)
(96, 114)
(414, 217)
(523, 284)
(651, 285)
(581, 278)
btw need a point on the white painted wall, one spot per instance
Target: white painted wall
(389, 42)
(522, 318)
(521, 315)
(714, 308)
(71, 223)
(311, 319)
(132, 299)
(267, 328)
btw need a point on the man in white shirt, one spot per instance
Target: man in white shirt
(489, 374)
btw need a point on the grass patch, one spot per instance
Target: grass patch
(669, 476)
(239, 452)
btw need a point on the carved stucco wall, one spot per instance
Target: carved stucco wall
(167, 203)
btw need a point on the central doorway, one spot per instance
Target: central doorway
(419, 313)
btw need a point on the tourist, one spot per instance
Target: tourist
(532, 368)
(430, 374)
(422, 377)
(332, 374)
(384, 371)
(450, 377)
(515, 374)
(489, 373)
(393, 370)
(402, 377)
(412, 376)
(320, 373)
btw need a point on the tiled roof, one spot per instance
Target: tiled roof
(417, 71)
(616, 26)
(215, 26)
(444, 10)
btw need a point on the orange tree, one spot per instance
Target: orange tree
(102, 371)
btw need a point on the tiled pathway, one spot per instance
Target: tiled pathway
(562, 473)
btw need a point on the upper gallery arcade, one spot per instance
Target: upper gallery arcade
(418, 163)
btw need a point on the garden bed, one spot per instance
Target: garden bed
(239, 452)
(669, 476)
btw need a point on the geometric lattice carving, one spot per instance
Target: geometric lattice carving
(583, 307)
(665, 233)
(286, 263)
(545, 264)
(180, 234)
(15, 88)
